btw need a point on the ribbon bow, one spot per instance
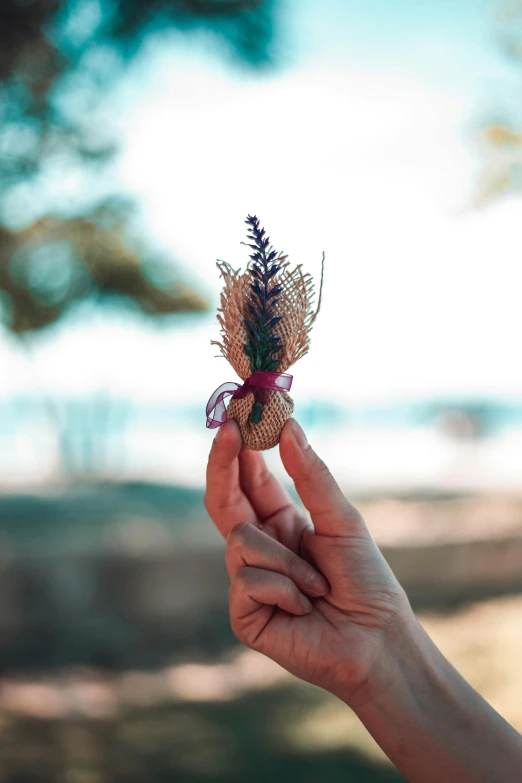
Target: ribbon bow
(271, 381)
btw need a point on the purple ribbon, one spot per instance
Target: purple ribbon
(269, 381)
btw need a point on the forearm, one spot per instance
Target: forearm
(430, 722)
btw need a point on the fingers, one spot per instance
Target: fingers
(270, 501)
(224, 498)
(263, 490)
(331, 513)
(254, 587)
(249, 546)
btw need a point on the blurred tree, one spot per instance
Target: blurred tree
(53, 263)
(502, 140)
(58, 59)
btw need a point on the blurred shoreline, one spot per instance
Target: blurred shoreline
(431, 446)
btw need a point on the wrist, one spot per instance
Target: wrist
(428, 720)
(401, 653)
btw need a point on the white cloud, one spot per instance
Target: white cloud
(372, 168)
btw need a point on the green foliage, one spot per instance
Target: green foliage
(57, 59)
(263, 343)
(53, 264)
(502, 137)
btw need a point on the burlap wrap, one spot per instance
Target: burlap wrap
(296, 308)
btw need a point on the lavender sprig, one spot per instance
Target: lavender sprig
(263, 344)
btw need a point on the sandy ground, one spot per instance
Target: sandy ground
(414, 520)
(147, 517)
(231, 715)
(236, 718)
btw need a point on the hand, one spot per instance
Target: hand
(322, 602)
(319, 599)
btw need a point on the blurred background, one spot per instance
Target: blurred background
(134, 139)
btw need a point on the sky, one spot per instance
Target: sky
(361, 144)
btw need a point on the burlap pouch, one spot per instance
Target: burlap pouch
(297, 317)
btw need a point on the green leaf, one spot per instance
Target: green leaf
(252, 328)
(257, 412)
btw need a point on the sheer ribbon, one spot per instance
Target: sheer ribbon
(258, 384)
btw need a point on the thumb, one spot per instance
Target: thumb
(331, 512)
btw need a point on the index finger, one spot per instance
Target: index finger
(331, 512)
(265, 493)
(225, 501)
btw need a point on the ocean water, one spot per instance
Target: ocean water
(419, 445)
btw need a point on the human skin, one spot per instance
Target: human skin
(319, 598)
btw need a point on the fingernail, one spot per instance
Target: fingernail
(317, 585)
(299, 434)
(220, 432)
(305, 604)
